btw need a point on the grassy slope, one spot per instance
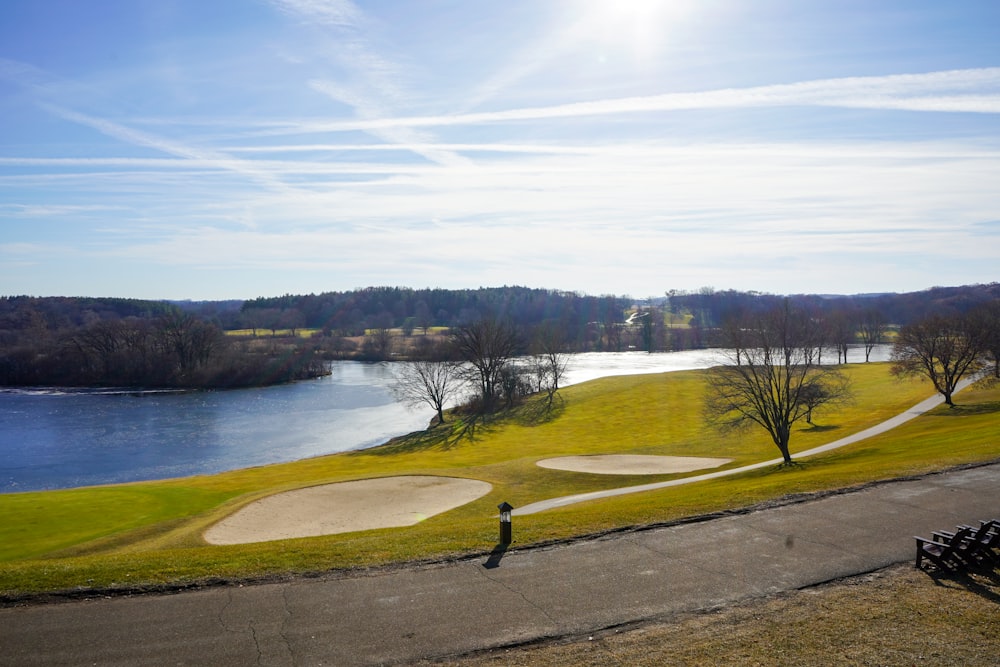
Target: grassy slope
(149, 533)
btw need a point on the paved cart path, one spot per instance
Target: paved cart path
(399, 616)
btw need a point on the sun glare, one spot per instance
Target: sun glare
(642, 27)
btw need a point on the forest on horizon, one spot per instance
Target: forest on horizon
(88, 341)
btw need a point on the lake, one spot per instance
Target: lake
(61, 438)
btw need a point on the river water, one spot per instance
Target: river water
(55, 438)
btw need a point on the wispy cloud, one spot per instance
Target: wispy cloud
(374, 88)
(341, 13)
(969, 91)
(48, 210)
(144, 139)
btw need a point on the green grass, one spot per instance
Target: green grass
(145, 534)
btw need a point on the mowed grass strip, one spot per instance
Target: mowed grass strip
(149, 534)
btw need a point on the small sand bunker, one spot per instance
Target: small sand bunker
(345, 507)
(627, 464)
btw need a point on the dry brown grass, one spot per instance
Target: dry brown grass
(898, 616)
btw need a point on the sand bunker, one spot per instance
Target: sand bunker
(625, 464)
(344, 507)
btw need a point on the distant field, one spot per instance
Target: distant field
(149, 534)
(309, 333)
(267, 333)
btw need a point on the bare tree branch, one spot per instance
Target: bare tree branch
(773, 378)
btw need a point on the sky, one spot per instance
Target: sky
(184, 149)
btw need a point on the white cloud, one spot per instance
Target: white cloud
(341, 13)
(372, 86)
(933, 91)
(147, 140)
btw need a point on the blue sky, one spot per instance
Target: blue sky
(188, 149)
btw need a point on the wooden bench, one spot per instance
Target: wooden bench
(984, 545)
(966, 547)
(946, 554)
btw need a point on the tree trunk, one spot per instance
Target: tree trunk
(784, 435)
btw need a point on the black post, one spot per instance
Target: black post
(505, 530)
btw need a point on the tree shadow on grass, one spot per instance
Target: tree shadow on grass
(466, 426)
(537, 410)
(440, 437)
(820, 428)
(968, 409)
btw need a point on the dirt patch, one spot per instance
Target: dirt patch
(626, 464)
(385, 502)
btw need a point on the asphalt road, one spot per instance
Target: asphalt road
(396, 616)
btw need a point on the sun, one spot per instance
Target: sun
(640, 26)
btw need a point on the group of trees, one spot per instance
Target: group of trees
(491, 366)
(945, 349)
(774, 376)
(127, 343)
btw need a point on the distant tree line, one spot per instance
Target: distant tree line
(676, 321)
(351, 314)
(710, 308)
(131, 343)
(83, 340)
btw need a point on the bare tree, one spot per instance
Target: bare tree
(814, 395)
(190, 340)
(773, 378)
(986, 319)
(872, 330)
(432, 383)
(98, 343)
(293, 320)
(487, 345)
(840, 327)
(422, 316)
(515, 383)
(733, 331)
(378, 344)
(613, 333)
(941, 349)
(549, 363)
